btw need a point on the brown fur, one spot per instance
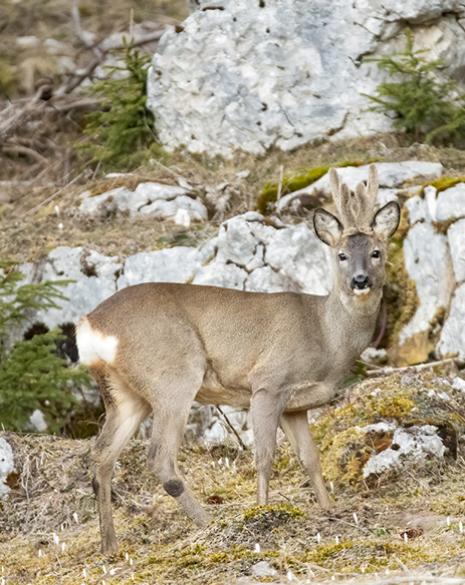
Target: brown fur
(280, 354)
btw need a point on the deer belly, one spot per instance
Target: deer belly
(310, 395)
(214, 392)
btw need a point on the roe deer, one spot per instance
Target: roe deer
(155, 348)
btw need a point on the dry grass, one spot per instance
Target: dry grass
(30, 226)
(49, 531)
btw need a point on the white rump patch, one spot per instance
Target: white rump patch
(93, 345)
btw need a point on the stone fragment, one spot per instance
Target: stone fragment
(6, 465)
(148, 199)
(409, 446)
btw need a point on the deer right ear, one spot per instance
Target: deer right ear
(327, 227)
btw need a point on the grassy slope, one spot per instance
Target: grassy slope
(158, 544)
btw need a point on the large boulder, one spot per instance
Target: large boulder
(247, 75)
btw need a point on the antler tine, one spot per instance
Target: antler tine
(368, 200)
(373, 182)
(334, 182)
(344, 206)
(336, 191)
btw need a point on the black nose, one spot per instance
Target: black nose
(360, 281)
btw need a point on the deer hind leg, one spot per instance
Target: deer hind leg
(296, 429)
(124, 413)
(169, 423)
(265, 410)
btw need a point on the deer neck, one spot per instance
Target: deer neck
(350, 324)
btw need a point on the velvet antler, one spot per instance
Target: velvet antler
(355, 208)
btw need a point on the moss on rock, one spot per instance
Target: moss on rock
(352, 433)
(291, 183)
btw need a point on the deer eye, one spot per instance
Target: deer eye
(376, 254)
(342, 257)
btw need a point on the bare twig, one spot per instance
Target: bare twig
(16, 114)
(76, 81)
(417, 368)
(20, 149)
(55, 193)
(230, 425)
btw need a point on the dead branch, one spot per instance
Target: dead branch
(416, 368)
(16, 114)
(76, 81)
(20, 149)
(231, 426)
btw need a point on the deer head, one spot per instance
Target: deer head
(358, 239)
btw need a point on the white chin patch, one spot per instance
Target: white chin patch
(361, 291)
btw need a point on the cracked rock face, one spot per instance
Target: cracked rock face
(248, 75)
(435, 261)
(246, 254)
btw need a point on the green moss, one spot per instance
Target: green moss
(272, 511)
(7, 77)
(346, 447)
(293, 183)
(400, 293)
(443, 183)
(356, 556)
(395, 407)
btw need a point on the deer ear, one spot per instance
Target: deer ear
(386, 220)
(327, 227)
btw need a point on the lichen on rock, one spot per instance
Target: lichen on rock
(389, 424)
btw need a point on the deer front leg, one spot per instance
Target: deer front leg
(265, 410)
(296, 428)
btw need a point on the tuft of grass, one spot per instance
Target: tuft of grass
(272, 511)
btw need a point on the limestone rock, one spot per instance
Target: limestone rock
(456, 237)
(177, 264)
(6, 465)
(259, 257)
(428, 264)
(452, 340)
(94, 277)
(148, 199)
(451, 203)
(263, 569)
(249, 75)
(37, 421)
(411, 445)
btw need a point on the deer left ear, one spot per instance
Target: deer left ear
(386, 220)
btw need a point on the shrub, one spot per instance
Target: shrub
(424, 106)
(32, 375)
(120, 134)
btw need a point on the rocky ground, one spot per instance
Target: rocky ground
(392, 445)
(392, 520)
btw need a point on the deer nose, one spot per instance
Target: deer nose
(360, 281)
